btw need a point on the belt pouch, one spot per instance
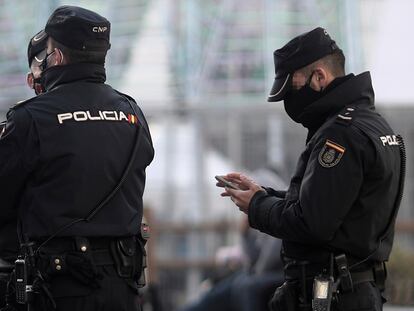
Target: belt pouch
(124, 252)
(380, 274)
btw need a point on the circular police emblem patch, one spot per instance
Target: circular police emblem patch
(330, 154)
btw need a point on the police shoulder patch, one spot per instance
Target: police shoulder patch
(330, 154)
(346, 116)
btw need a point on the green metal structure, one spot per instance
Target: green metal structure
(20, 20)
(224, 48)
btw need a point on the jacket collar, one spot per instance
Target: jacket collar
(354, 89)
(57, 75)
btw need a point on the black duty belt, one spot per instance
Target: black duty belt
(311, 270)
(97, 247)
(295, 272)
(78, 243)
(363, 276)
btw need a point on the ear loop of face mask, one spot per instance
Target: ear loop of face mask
(308, 82)
(43, 65)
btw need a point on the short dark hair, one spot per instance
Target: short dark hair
(77, 56)
(335, 62)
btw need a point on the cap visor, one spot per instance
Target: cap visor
(40, 57)
(40, 37)
(280, 86)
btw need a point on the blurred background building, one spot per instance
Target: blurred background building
(201, 71)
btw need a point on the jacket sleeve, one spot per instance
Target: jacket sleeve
(326, 193)
(277, 193)
(16, 157)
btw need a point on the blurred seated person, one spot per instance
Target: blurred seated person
(256, 271)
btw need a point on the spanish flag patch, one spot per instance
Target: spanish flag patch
(331, 154)
(132, 119)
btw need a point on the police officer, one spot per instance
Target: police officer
(337, 217)
(9, 245)
(36, 52)
(73, 169)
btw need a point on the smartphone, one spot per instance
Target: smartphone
(227, 183)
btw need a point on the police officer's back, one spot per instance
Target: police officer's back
(75, 162)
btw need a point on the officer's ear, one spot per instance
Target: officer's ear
(30, 80)
(59, 57)
(321, 78)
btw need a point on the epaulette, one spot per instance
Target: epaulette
(346, 116)
(23, 102)
(125, 95)
(131, 99)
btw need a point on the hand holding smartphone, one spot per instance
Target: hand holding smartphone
(227, 183)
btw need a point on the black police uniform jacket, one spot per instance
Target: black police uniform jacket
(345, 186)
(63, 151)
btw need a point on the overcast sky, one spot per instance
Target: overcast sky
(391, 58)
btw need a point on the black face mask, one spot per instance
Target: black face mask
(38, 86)
(296, 101)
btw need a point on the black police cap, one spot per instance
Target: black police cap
(37, 47)
(79, 29)
(297, 53)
